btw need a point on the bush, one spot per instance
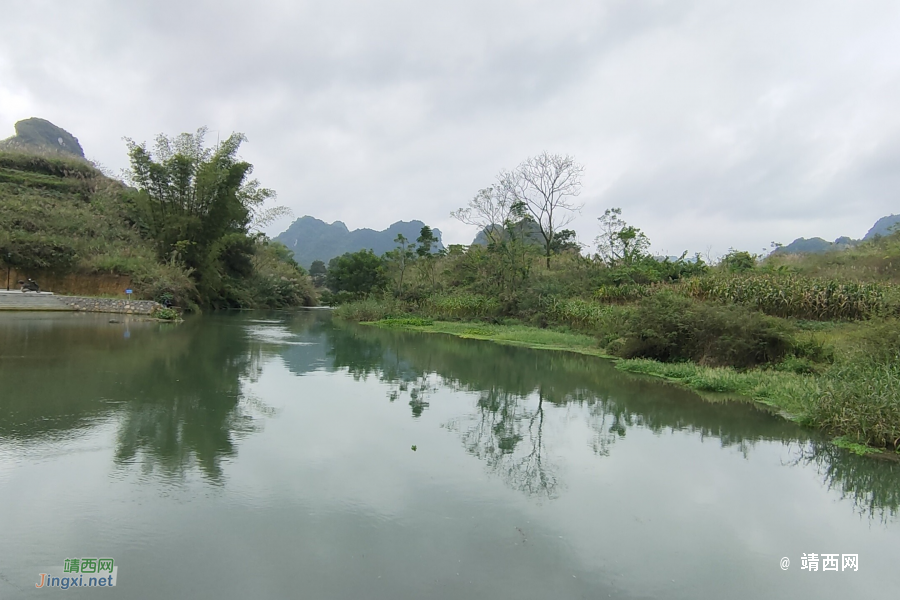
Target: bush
(165, 314)
(739, 261)
(671, 328)
(165, 281)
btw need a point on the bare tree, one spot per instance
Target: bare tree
(546, 186)
(491, 210)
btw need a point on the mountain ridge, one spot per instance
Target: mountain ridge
(882, 227)
(312, 239)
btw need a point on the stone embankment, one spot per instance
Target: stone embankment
(111, 305)
(16, 300)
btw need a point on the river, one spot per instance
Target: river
(284, 455)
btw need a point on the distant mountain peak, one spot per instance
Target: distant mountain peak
(42, 136)
(313, 239)
(883, 227)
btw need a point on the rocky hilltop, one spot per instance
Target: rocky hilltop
(40, 136)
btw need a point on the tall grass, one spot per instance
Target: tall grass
(861, 401)
(790, 392)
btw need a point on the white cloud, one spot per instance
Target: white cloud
(710, 123)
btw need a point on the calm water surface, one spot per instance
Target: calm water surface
(271, 456)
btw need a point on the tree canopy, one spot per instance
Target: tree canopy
(200, 205)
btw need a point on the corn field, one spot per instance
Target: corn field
(799, 297)
(576, 313)
(462, 306)
(622, 293)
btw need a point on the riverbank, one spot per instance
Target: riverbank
(807, 398)
(43, 301)
(511, 335)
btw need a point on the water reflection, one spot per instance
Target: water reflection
(178, 397)
(515, 387)
(175, 392)
(871, 484)
(507, 433)
(188, 406)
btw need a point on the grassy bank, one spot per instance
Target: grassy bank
(789, 393)
(509, 334)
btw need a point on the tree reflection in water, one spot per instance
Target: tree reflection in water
(189, 406)
(517, 387)
(179, 396)
(507, 433)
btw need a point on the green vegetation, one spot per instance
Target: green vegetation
(183, 233)
(814, 337)
(166, 314)
(858, 449)
(787, 295)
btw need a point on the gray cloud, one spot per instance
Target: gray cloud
(711, 123)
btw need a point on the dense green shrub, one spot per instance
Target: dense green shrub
(277, 280)
(670, 328)
(358, 273)
(164, 281)
(739, 261)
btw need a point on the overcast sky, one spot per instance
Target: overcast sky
(710, 123)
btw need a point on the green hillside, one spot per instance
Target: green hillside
(60, 215)
(63, 221)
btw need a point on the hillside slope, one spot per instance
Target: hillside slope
(60, 217)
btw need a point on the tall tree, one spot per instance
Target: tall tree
(401, 257)
(427, 258)
(546, 185)
(620, 243)
(358, 273)
(200, 205)
(317, 271)
(425, 241)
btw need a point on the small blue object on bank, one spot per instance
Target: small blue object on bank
(128, 292)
